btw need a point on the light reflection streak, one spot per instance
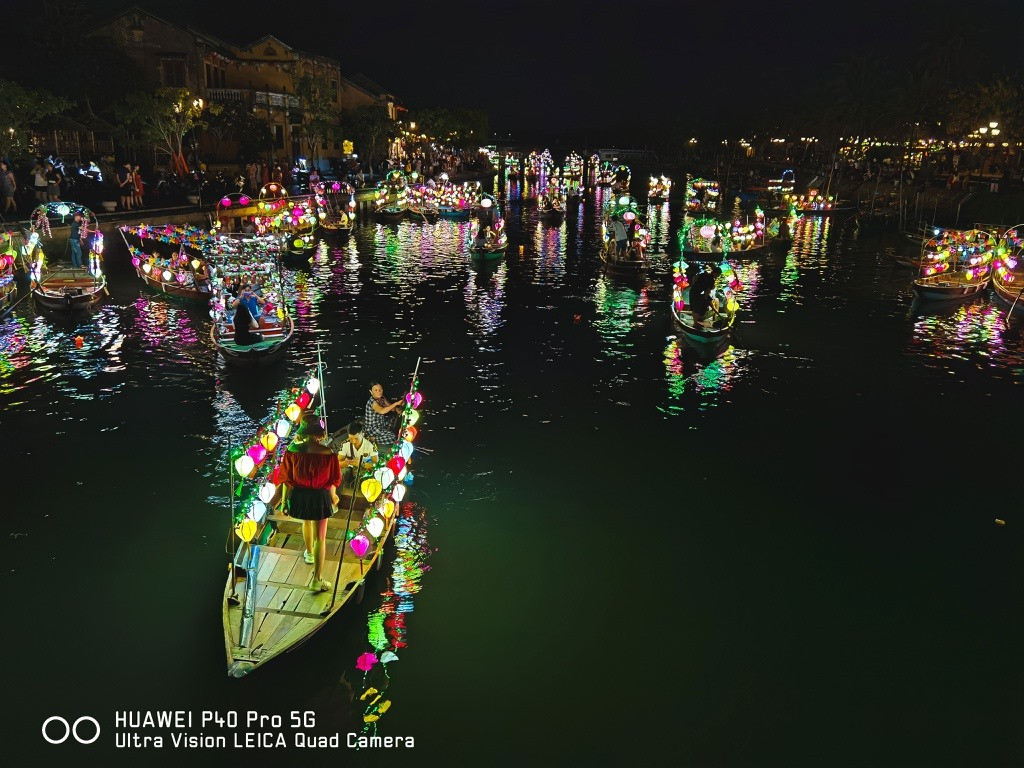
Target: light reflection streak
(697, 384)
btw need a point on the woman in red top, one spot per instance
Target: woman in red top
(310, 475)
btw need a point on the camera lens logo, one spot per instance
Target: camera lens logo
(56, 729)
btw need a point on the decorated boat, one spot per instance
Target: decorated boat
(456, 201)
(171, 259)
(551, 204)
(391, 201)
(423, 204)
(65, 289)
(252, 261)
(703, 196)
(605, 174)
(572, 174)
(705, 239)
(1008, 269)
(621, 179)
(814, 204)
(292, 219)
(8, 281)
(624, 212)
(707, 332)
(512, 162)
(658, 189)
(531, 166)
(781, 228)
(956, 265)
(494, 240)
(749, 233)
(269, 606)
(337, 203)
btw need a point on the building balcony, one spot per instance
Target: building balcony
(247, 96)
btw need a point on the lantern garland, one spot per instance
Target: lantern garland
(392, 193)
(8, 285)
(659, 188)
(705, 236)
(625, 209)
(966, 254)
(256, 463)
(812, 201)
(40, 223)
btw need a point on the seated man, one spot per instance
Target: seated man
(357, 453)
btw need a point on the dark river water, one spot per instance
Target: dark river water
(616, 553)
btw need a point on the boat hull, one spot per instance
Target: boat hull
(338, 235)
(929, 289)
(454, 215)
(705, 341)
(74, 291)
(256, 356)
(390, 214)
(1009, 296)
(623, 268)
(174, 290)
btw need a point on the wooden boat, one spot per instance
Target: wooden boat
(956, 265)
(183, 273)
(1008, 269)
(703, 196)
(493, 248)
(336, 228)
(551, 204)
(621, 179)
(269, 607)
(814, 204)
(337, 203)
(242, 261)
(704, 240)
(391, 200)
(711, 336)
(658, 189)
(748, 235)
(8, 282)
(624, 210)
(65, 289)
(605, 175)
(453, 213)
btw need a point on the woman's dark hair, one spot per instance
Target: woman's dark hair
(374, 383)
(355, 427)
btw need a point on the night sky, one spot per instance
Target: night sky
(601, 68)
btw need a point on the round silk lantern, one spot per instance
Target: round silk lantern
(313, 385)
(388, 508)
(371, 488)
(246, 530)
(257, 453)
(415, 399)
(267, 491)
(269, 440)
(406, 449)
(410, 433)
(414, 416)
(359, 545)
(396, 463)
(409, 479)
(257, 511)
(375, 527)
(385, 476)
(244, 465)
(398, 493)
(293, 412)
(366, 661)
(707, 231)
(283, 428)
(303, 400)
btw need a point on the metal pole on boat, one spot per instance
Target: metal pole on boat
(231, 519)
(323, 389)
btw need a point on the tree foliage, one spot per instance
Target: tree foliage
(233, 121)
(163, 119)
(370, 128)
(319, 115)
(20, 110)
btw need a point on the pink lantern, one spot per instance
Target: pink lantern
(225, 201)
(335, 186)
(257, 453)
(244, 200)
(396, 464)
(707, 231)
(414, 399)
(359, 545)
(366, 661)
(136, 261)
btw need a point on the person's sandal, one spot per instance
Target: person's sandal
(323, 586)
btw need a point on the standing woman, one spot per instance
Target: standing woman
(39, 181)
(310, 476)
(138, 186)
(53, 180)
(8, 187)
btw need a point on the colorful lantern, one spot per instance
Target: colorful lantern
(370, 488)
(283, 428)
(268, 440)
(359, 545)
(257, 511)
(303, 400)
(246, 530)
(414, 416)
(375, 527)
(406, 450)
(396, 463)
(366, 661)
(409, 479)
(244, 465)
(410, 433)
(398, 493)
(313, 385)
(293, 412)
(267, 491)
(385, 476)
(415, 399)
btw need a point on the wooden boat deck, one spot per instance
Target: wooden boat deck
(274, 331)
(286, 610)
(63, 281)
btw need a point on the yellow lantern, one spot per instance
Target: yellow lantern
(293, 412)
(246, 530)
(388, 508)
(414, 416)
(269, 440)
(371, 489)
(298, 242)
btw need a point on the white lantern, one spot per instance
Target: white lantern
(257, 511)
(244, 465)
(385, 476)
(375, 527)
(398, 493)
(406, 449)
(283, 428)
(313, 385)
(267, 492)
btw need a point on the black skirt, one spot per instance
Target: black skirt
(310, 503)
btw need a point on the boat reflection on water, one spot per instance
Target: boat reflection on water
(388, 632)
(699, 384)
(485, 299)
(946, 337)
(620, 309)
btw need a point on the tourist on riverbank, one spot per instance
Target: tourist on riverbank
(53, 181)
(39, 181)
(125, 185)
(138, 188)
(8, 187)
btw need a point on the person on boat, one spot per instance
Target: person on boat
(621, 237)
(75, 240)
(251, 299)
(356, 451)
(309, 480)
(481, 236)
(245, 325)
(701, 288)
(379, 418)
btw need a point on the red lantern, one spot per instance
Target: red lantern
(410, 433)
(304, 400)
(396, 464)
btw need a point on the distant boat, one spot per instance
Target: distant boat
(65, 289)
(956, 265)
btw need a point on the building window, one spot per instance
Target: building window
(172, 72)
(278, 135)
(209, 76)
(270, 51)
